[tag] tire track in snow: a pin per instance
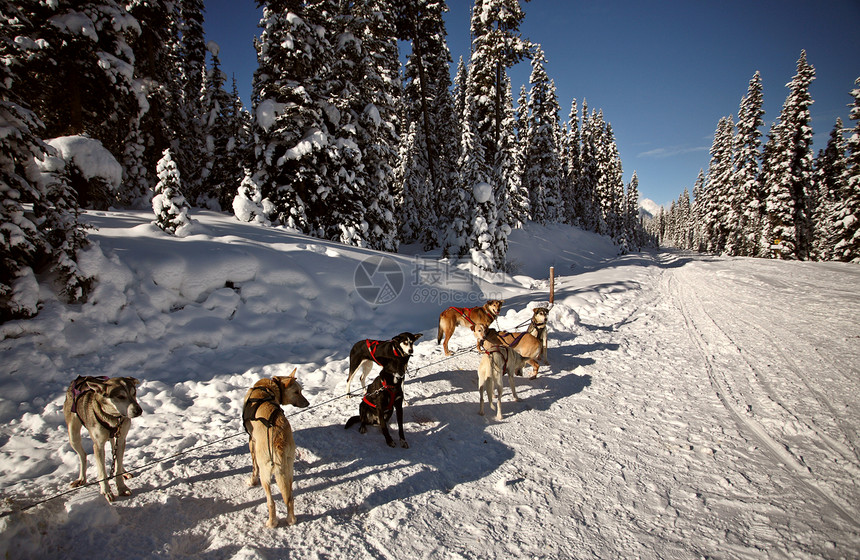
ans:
(704, 332)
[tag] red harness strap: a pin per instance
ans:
(371, 347)
(466, 312)
(391, 393)
(497, 350)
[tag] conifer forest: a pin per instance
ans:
(109, 104)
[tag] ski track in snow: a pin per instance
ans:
(695, 407)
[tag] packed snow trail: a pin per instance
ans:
(695, 407)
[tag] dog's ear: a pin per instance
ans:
(98, 388)
(416, 336)
(293, 375)
(134, 382)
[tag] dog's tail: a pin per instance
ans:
(439, 332)
(351, 421)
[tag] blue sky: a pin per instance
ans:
(663, 72)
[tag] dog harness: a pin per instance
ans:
(465, 312)
(497, 350)
(516, 340)
(373, 344)
(385, 387)
(249, 413)
(80, 387)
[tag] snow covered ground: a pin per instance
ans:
(696, 407)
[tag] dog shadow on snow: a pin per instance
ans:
(348, 472)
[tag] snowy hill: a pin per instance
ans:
(679, 418)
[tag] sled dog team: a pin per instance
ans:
(105, 406)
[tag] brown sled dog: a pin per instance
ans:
(273, 450)
(453, 317)
(524, 344)
(537, 328)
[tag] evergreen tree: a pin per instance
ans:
(788, 177)
(474, 172)
(189, 145)
(542, 175)
(685, 221)
(509, 169)
(222, 170)
(417, 224)
(49, 234)
(429, 107)
(609, 185)
(291, 112)
(587, 206)
(518, 197)
(697, 214)
(77, 72)
(497, 46)
(248, 204)
(572, 168)
(847, 226)
(744, 221)
(719, 187)
(459, 91)
(829, 187)
(630, 238)
(152, 76)
(168, 204)
(376, 108)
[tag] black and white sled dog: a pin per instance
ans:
(395, 352)
(105, 407)
(383, 397)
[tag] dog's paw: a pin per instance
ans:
(123, 490)
(78, 483)
(108, 495)
(291, 520)
(127, 475)
(254, 481)
(390, 442)
(403, 444)
(272, 523)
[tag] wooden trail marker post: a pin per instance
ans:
(551, 285)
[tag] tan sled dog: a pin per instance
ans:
(496, 361)
(453, 317)
(537, 328)
(525, 344)
(273, 450)
(105, 407)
